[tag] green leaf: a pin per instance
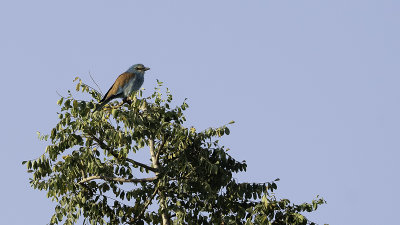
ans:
(67, 103)
(75, 104)
(60, 101)
(78, 86)
(59, 216)
(227, 131)
(114, 113)
(90, 105)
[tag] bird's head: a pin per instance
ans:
(137, 68)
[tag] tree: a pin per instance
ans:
(90, 168)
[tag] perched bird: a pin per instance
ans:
(125, 84)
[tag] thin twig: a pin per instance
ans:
(60, 94)
(95, 83)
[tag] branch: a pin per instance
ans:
(163, 204)
(117, 179)
(153, 154)
(146, 204)
(125, 100)
(95, 83)
(141, 164)
(115, 106)
(103, 145)
(160, 148)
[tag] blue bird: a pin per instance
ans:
(125, 84)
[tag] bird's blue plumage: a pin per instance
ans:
(133, 84)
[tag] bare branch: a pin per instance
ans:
(95, 83)
(153, 154)
(118, 179)
(163, 204)
(104, 146)
(60, 94)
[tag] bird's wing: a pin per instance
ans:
(118, 85)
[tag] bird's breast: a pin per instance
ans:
(134, 84)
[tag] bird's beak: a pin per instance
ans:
(146, 68)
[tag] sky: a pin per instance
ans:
(312, 85)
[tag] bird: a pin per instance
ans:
(126, 83)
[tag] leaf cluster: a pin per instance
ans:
(90, 168)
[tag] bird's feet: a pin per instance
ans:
(127, 100)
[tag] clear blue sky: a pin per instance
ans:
(312, 85)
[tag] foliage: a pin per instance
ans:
(89, 168)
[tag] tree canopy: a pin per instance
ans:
(90, 168)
